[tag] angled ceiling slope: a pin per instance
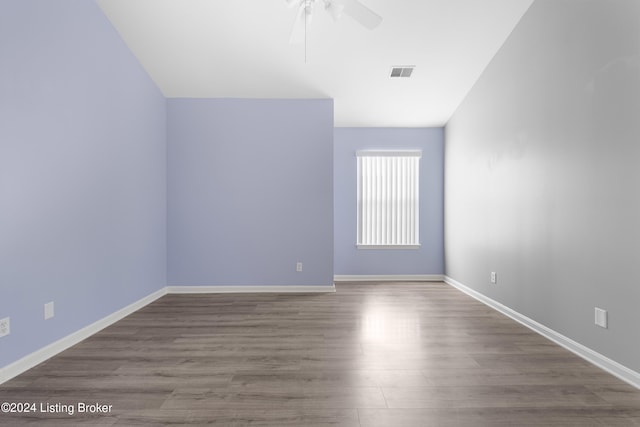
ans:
(241, 49)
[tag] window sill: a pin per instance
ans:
(388, 246)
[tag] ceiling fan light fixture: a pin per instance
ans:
(335, 8)
(308, 8)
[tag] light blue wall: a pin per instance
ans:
(250, 192)
(542, 176)
(82, 172)
(429, 259)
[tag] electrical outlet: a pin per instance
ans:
(601, 318)
(494, 277)
(299, 266)
(48, 310)
(4, 327)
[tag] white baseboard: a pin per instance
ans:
(625, 374)
(39, 356)
(388, 278)
(248, 289)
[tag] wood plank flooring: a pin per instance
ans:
(372, 354)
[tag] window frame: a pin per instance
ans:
(392, 201)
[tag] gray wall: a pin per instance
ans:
(542, 174)
(348, 259)
(82, 172)
(250, 191)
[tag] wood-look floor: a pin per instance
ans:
(394, 354)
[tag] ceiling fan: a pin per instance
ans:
(356, 10)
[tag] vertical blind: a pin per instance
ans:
(388, 199)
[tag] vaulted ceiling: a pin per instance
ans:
(241, 49)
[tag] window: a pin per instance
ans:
(388, 199)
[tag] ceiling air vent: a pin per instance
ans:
(401, 71)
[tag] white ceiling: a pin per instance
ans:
(240, 49)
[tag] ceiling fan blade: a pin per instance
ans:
(298, 30)
(361, 13)
(334, 9)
